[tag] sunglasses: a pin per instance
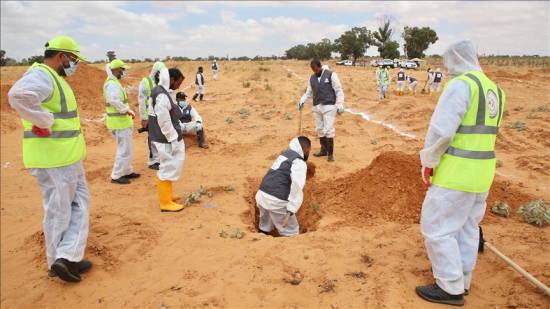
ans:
(72, 58)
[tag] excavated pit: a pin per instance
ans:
(390, 188)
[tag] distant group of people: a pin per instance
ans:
(458, 159)
(404, 81)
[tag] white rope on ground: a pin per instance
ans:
(392, 127)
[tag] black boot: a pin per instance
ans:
(323, 151)
(200, 139)
(82, 267)
(195, 97)
(433, 293)
(200, 97)
(330, 148)
(66, 270)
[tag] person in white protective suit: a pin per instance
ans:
(166, 134)
(458, 166)
(281, 191)
(53, 150)
(400, 81)
(412, 84)
(429, 80)
(328, 99)
(144, 99)
(436, 81)
(215, 69)
(199, 82)
(119, 121)
(191, 120)
(382, 81)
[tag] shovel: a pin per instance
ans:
(485, 244)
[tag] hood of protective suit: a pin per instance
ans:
(295, 145)
(155, 69)
(109, 72)
(461, 57)
(164, 79)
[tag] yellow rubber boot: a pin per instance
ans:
(164, 188)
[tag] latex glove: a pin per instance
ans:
(301, 105)
(40, 132)
(144, 123)
(340, 109)
(131, 114)
(174, 145)
(286, 218)
(198, 126)
(426, 172)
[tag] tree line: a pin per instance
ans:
(353, 43)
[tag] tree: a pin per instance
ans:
(354, 43)
(417, 40)
(383, 39)
(2, 57)
(34, 59)
(321, 50)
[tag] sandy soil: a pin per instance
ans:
(362, 246)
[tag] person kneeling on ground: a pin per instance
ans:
(191, 121)
(281, 191)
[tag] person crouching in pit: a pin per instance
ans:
(191, 121)
(281, 191)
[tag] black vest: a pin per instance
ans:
(401, 76)
(155, 134)
(214, 66)
(197, 81)
(322, 90)
(437, 78)
(186, 114)
(412, 79)
(277, 182)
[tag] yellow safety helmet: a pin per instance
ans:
(117, 63)
(66, 44)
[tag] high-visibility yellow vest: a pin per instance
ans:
(383, 75)
(469, 163)
(149, 85)
(116, 120)
(65, 145)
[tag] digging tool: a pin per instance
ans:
(300, 124)
(485, 244)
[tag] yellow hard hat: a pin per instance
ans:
(66, 44)
(117, 63)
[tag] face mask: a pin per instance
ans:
(124, 74)
(71, 69)
(183, 104)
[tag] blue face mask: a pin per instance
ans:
(183, 104)
(71, 69)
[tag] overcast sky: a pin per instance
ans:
(193, 29)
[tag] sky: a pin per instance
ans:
(140, 29)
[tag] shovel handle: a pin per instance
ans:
(300, 124)
(518, 268)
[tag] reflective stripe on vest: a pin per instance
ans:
(65, 145)
(469, 162)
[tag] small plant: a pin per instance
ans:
(327, 286)
(289, 75)
(244, 113)
(374, 141)
(535, 212)
(315, 206)
(236, 233)
(542, 109)
(357, 274)
(518, 125)
(288, 116)
(192, 198)
(229, 120)
(267, 115)
(367, 259)
(264, 69)
(502, 209)
(518, 108)
(246, 84)
(228, 188)
(268, 87)
(295, 278)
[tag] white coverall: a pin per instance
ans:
(123, 137)
(171, 156)
(325, 114)
(194, 125)
(145, 102)
(200, 86)
(273, 210)
(64, 189)
(412, 84)
(449, 219)
(215, 71)
(381, 83)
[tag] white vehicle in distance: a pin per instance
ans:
(387, 63)
(374, 63)
(345, 62)
(409, 64)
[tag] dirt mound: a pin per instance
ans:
(390, 188)
(87, 85)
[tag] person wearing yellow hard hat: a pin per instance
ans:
(119, 121)
(53, 150)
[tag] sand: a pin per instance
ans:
(361, 245)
